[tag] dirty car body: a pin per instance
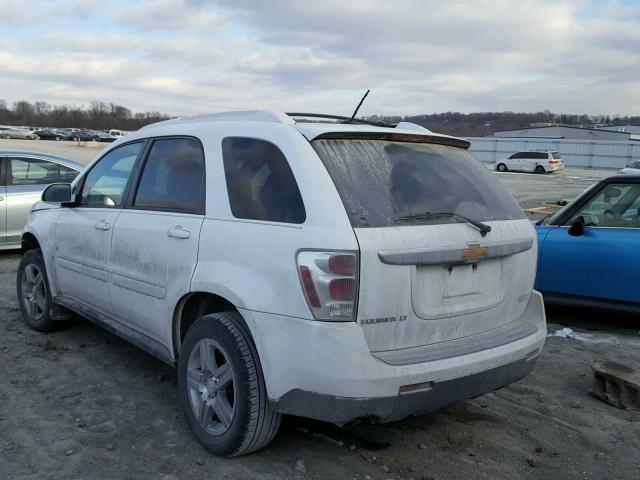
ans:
(350, 256)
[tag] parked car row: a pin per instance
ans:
(72, 134)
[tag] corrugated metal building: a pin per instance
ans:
(575, 133)
(576, 153)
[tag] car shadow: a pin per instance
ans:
(590, 319)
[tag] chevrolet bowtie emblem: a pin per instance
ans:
(473, 252)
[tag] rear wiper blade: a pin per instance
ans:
(483, 227)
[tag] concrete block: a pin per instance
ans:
(616, 384)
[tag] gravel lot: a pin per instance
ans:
(81, 403)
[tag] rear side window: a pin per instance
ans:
(173, 177)
(31, 171)
(380, 181)
(260, 183)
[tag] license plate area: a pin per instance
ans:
(439, 291)
(460, 280)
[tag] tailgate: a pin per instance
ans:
(426, 284)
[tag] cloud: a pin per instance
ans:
(417, 56)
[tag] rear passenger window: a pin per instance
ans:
(173, 177)
(31, 171)
(260, 183)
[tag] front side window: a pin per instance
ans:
(173, 177)
(260, 183)
(31, 171)
(616, 205)
(106, 182)
(382, 181)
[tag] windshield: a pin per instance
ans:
(380, 181)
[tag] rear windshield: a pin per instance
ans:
(380, 181)
(556, 155)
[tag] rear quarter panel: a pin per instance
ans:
(253, 263)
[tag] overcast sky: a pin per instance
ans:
(417, 56)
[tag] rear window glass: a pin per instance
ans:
(260, 183)
(380, 181)
(556, 155)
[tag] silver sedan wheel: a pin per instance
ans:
(212, 387)
(34, 291)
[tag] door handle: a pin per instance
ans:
(178, 232)
(102, 225)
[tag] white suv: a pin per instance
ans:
(536, 161)
(328, 270)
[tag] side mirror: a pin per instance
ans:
(57, 193)
(577, 226)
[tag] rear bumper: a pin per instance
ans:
(325, 370)
(387, 409)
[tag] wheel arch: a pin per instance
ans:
(192, 306)
(28, 242)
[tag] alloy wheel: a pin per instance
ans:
(211, 386)
(34, 291)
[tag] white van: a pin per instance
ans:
(327, 270)
(532, 161)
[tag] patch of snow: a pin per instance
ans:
(569, 334)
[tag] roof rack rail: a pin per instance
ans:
(274, 116)
(340, 117)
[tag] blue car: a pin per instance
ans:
(589, 251)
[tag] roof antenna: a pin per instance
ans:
(358, 108)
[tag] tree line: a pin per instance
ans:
(95, 116)
(104, 116)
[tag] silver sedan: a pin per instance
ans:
(21, 133)
(23, 177)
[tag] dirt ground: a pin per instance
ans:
(81, 403)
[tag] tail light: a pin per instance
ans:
(553, 162)
(330, 283)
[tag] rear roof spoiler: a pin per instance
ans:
(396, 137)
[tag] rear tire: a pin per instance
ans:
(540, 170)
(502, 167)
(221, 388)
